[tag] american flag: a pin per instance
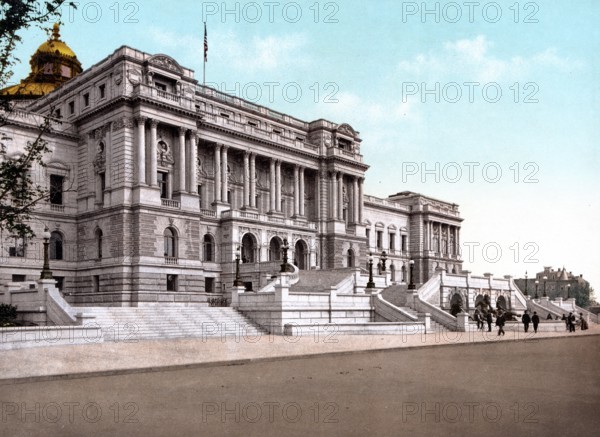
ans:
(205, 44)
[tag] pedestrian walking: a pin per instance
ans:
(535, 319)
(488, 319)
(500, 323)
(571, 319)
(583, 322)
(526, 319)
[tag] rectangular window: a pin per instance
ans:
(86, 99)
(160, 86)
(171, 282)
(71, 108)
(229, 196)
(392, 241)
(209, 285)
(18, 278)
(96, 283)
(404, 243)
(102, 91)
(57, 113)
(163, 184)
(379, 239)
(200, 196)
(18, 248)
(102, 181)
(56, 189)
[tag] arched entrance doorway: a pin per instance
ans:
(350, 258)
(501, 303)
(301, 255)
(456, 304)
(249, 248)
(275, 249)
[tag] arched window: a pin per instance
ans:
(170, 243)
(275, 249)
(209, 248)
(56, 245)
(99, 236)
(249, 248)
(350, 258)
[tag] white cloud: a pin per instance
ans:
(473, 59)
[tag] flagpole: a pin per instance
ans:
(205, 53)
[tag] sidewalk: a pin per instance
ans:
(104, 359)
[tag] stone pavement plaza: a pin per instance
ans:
(541, 387)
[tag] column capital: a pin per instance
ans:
(140, 119)
(192, 133)
(153, 122)
(182, 130)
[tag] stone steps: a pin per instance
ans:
(131, 324)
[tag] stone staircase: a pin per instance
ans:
(319, 281)
(400, 296)
(120, 324)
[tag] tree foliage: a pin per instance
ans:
(19, 192)
(582, 294)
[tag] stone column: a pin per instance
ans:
(272, 189)
(141, 150)
(340, 185)
(333, 196)
(296, 191)
(278, 186)
(193, 163)
(252, 180)
(355, 201)
(245, 201)
(181, 160)
(302, 212)
(224, 179)
(361, 202)
(217, 170)
(152, 169)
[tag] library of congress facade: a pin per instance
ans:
(157, 184)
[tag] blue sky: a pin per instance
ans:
(372, 63)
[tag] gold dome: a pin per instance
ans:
(55, 45)
(52, 64)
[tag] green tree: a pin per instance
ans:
(19, 193)
(582, 294)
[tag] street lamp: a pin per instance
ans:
(411, 285)
(383, 260)
(46, 272)
(568, 291)
(525, 282)
(285, 249)
(238, 282)
(536, 289)
(544, 278)
(370, 284)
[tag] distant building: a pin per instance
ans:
(557, 282)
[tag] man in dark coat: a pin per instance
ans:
(500, 323)
(488, 319)
(535, 319)
(526, 320)
(549, 317)
(571, 319)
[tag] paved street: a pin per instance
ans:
(544, 387)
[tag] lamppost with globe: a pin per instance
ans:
(285, 249)
(370, 284)
(545, 278)
(536, 289)
(383, 260)
(568, 291)
(525, 282)
(46, 272)
(238, 282)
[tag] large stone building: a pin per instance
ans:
(156, 181)
(555, 283)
